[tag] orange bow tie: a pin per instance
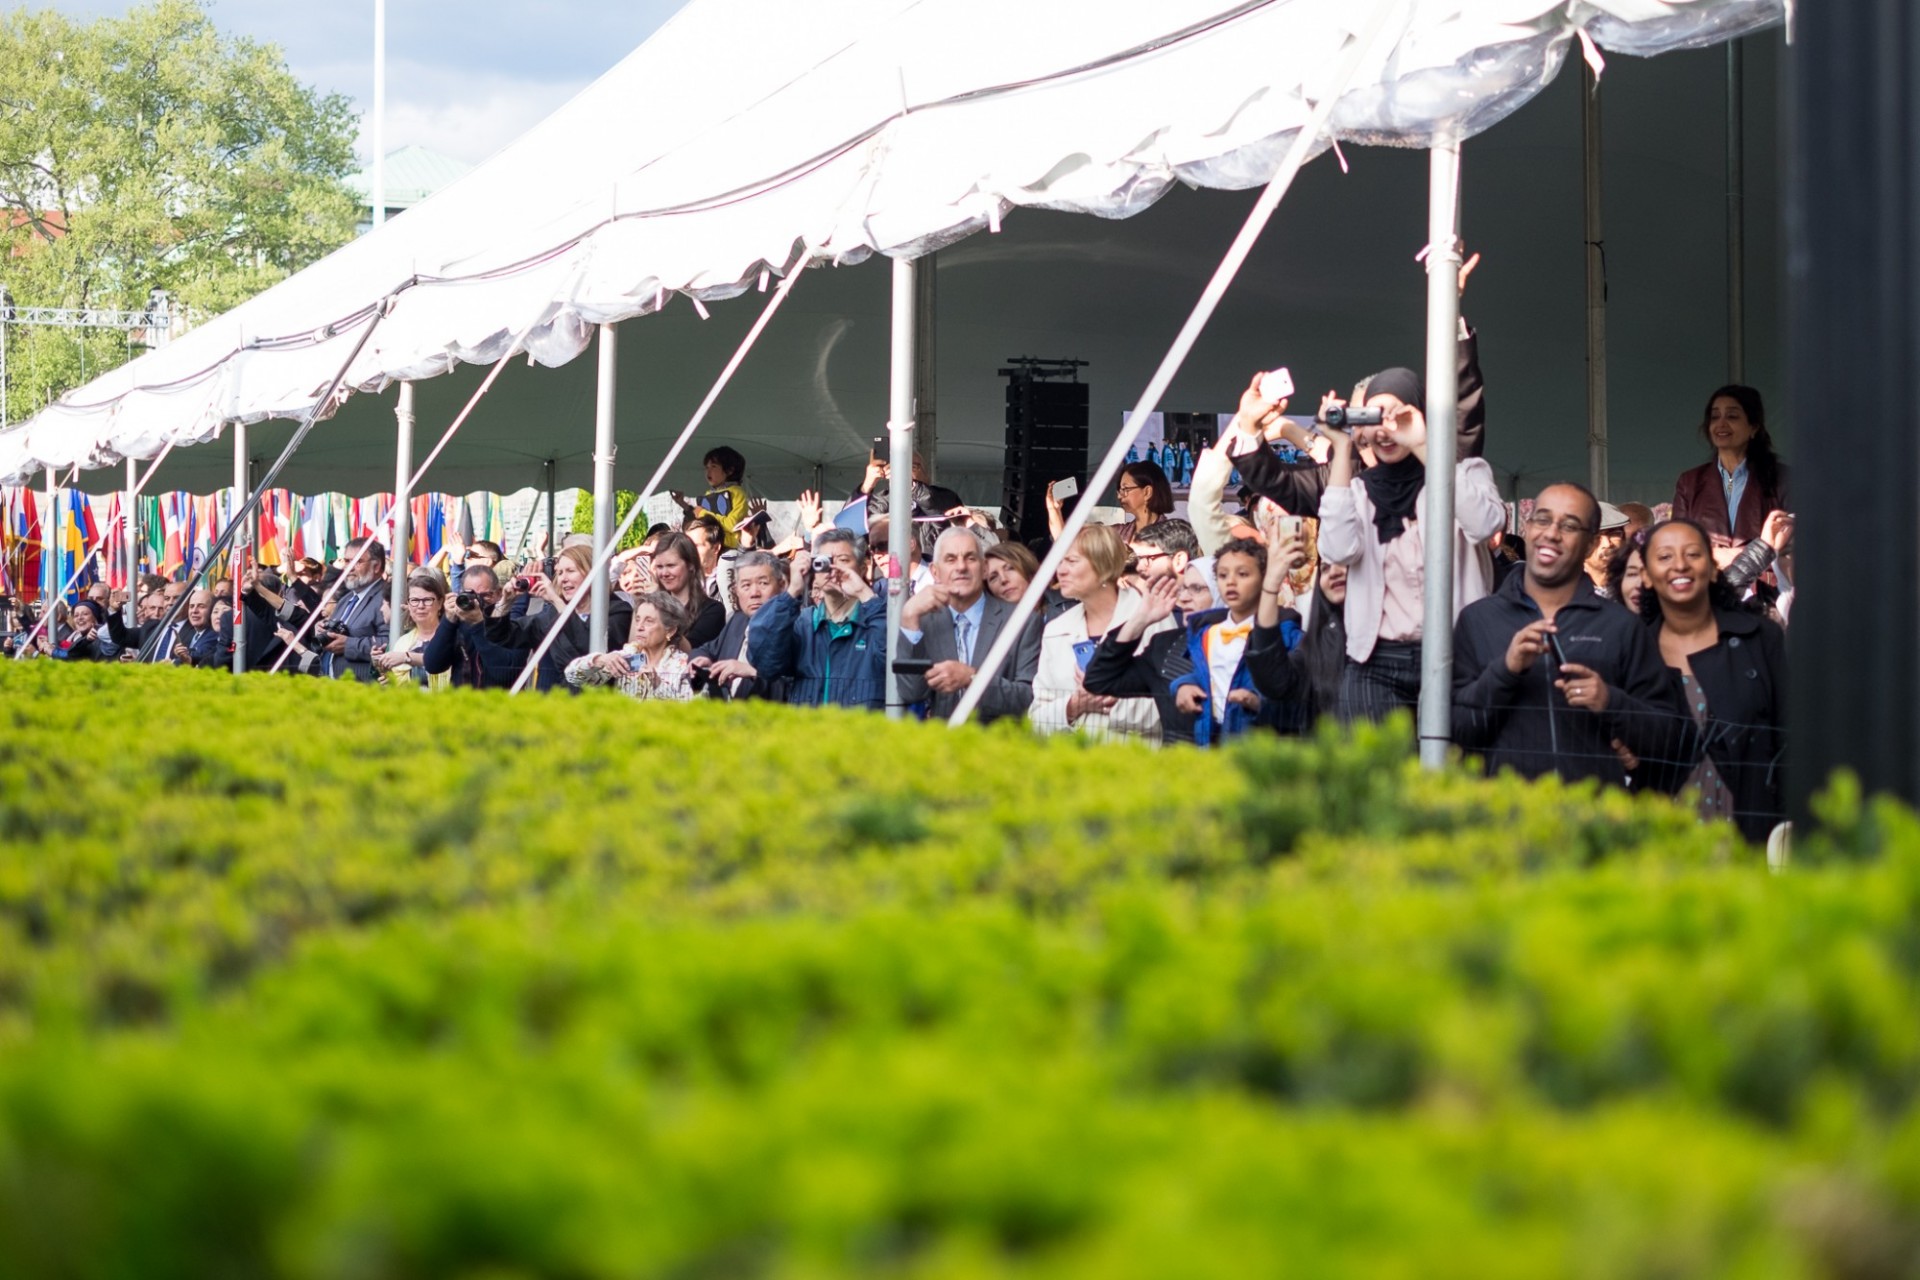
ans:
(1229, 634)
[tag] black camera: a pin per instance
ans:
(523, 584)
(698, 679)
(466, 600)
(1340, 417)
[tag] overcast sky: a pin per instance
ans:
(462, 78)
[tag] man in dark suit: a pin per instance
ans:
(757, 578)
(954, 622)
(358, 623)
(197, 644)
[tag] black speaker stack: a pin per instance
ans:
(1046, 438)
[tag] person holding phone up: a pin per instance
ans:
(1550, 677)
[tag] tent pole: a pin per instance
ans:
(1372, 35)
(401, 542)
(1596, 285)
(130, 521)
(379, 192)
(1443, 390)
(900, 531)
(52, 538)
(1736, 213)
(603, 450)
(553, 534)
(241, 543)
(926, 379)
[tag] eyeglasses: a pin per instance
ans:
(420, 602)
(1543, 521)
(1141, 557)
(1131, 488)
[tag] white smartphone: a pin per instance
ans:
(1064, 489)
(1276, 386)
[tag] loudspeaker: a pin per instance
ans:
(1046, 439)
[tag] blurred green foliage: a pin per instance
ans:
(300, 980)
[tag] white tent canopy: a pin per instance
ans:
(749, 135)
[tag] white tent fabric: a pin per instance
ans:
(751, 135)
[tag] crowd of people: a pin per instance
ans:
(1643, 648)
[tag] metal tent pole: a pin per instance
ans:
(603, 451)
(553, 527)
(131, 523)
(237, 562)
(926, 374)
(1736, 213)
(1596, 285)
(900, 469)
(1443, 319)
(379, 192)
(51, 539)
(402, 540)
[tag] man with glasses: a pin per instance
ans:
(461, 644)
(1549, 677)
(1164, 549)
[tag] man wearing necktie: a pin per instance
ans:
(953, 622)
(359, 613)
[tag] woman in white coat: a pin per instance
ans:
(1371, 522)
(1090, 576)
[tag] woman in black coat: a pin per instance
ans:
(1731, 665)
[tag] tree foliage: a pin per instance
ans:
(150, 152)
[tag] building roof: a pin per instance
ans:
(413, 174)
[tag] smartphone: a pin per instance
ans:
(912, 666)
(1559, 654)
(1276, 386)
(1295, 526)
(1083, 653)
(1067, 488)
(880, 450)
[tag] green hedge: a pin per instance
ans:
(300, 980)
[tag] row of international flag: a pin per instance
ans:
(177, 531)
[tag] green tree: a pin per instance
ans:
(149, 152)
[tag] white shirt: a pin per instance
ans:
(1223, 659)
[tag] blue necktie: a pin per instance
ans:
(963, 637)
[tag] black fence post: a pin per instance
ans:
(1853, 244)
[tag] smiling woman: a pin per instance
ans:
(1731, 495)
(1731, 665)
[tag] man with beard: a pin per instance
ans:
(359, 621)
(1548, 677)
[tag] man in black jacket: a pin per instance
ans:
(1548, 677)
(462, 646)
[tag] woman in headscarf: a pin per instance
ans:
(1371, 522)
